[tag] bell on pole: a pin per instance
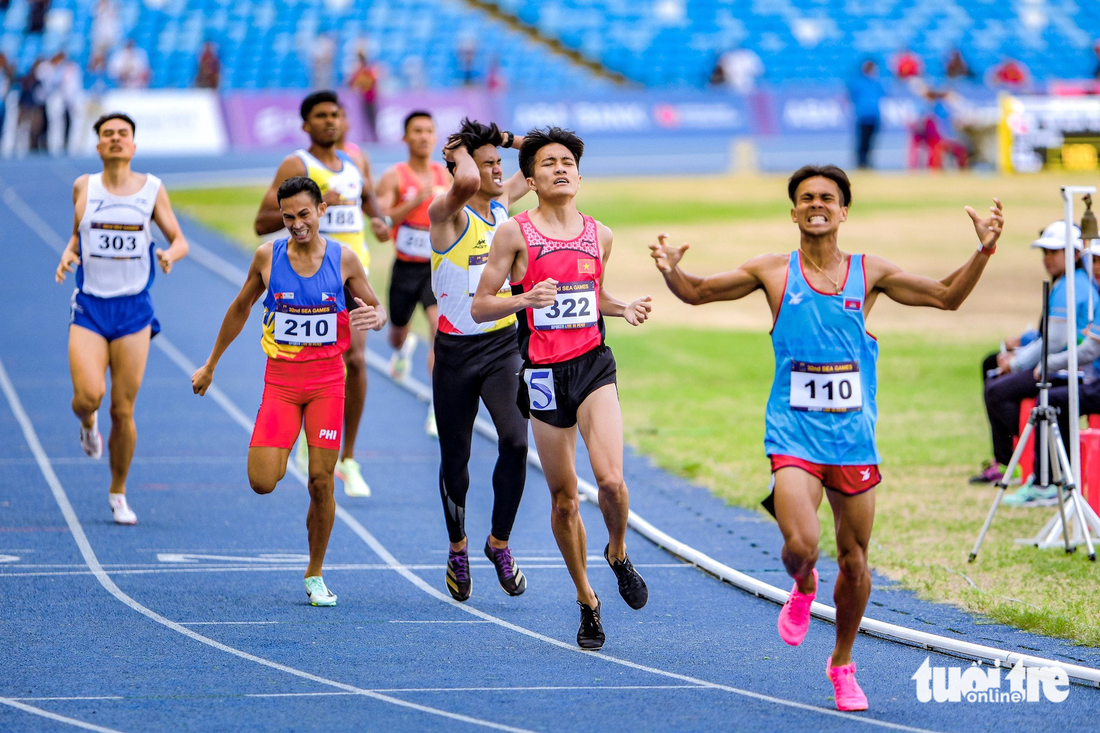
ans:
(1088, 221)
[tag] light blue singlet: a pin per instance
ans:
(822, 404)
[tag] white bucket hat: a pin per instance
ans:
(1054, 237)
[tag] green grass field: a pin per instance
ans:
(694, 382)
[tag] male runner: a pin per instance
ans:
(820, 419)
(556, 258)
(405, 191)
(112, 319)
(306, 329)
(475, 359)
(348, 193)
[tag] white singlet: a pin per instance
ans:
(116, 240)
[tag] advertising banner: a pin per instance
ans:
(169, 121)
(626, 113)
(1039, 132)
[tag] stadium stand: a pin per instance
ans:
(663, 43)
(265, 43)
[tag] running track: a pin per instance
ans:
(197, 619)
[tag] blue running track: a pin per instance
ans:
(197, 618)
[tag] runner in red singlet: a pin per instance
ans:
(556, 258)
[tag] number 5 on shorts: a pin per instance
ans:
(540, 389)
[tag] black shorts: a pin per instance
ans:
(410, 283)
(553, 393)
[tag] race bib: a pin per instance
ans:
(342, 219)
(414, 242)
(313, 325)
(476, 267)
(118, 241)
(540, 388)
(826, 387)
(574, 307)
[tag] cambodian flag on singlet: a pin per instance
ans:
(573, 325)
(305, 318)
(822, 404)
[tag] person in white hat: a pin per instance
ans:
(1008, 374)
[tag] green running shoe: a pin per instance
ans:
(1030, 495)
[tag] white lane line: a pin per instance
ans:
(77, 531)
(85, 697)
(224, 623)
(12, 702)
(541, 688)
(460, 621)
(379, 549)
(31, 218)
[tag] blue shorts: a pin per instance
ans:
(113, 318)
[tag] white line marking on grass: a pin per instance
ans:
(379, 549)
(77, 531)
(52, 716)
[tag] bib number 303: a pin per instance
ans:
(826, 387)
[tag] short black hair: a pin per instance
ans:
(832, 172)
(300, 184)
(114, 116)
(325, 95)
(473, 135)
(537, 139)
(414, 114)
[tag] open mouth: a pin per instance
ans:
(497, 180)
(817, 219)
(561, 181)
(299, 233)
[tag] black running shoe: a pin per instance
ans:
(510, 576)
(631, 586)
(590, 634)
(458, 575)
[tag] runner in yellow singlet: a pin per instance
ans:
(349, 194)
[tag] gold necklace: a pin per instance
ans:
(835, 281)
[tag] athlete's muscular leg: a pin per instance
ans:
(89, 356)
(322, 505)
(355, 390)
(432, 314)
(854, 517)
(266, 467)
(797, 497)
(558, 450)
(128, 356)
(601, 424)
(397, 335)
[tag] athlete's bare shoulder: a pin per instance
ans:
(876, 268)
(767, 264)
(291, 166)
(80, 185)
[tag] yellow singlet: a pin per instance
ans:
(343, 221)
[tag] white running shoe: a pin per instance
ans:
(90, 440)
(401, 361)
(429, 425)
(301, 454)
(349, 472)
(122, 511)
(318, 592)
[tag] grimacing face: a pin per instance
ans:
(819, 208)
(555, 173)
(301, 216)
(116, 140)
(489, 165)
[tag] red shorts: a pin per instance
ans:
(850, 480)
(291, 388)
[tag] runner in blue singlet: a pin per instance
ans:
(820, 419)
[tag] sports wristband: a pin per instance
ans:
(507, 142)
(389, 221)
(987, 250)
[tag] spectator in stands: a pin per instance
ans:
(866, 92)
(741, 67)
(1010, 74)
(36, 15)
(7, 78)
(494, 77)
(466, 51)
(364, 81)
(935, 130)
(68, 87)
(106, 30)
(323, 57)
(717, 74)
(209, 75)
(908, 65)
(956, 66)
(32, 108)
(129, 66)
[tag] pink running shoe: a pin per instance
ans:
(848, 694)
(794, 618)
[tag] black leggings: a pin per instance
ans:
(467, 368)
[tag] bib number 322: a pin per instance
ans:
(826, 387)
(574, 307)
